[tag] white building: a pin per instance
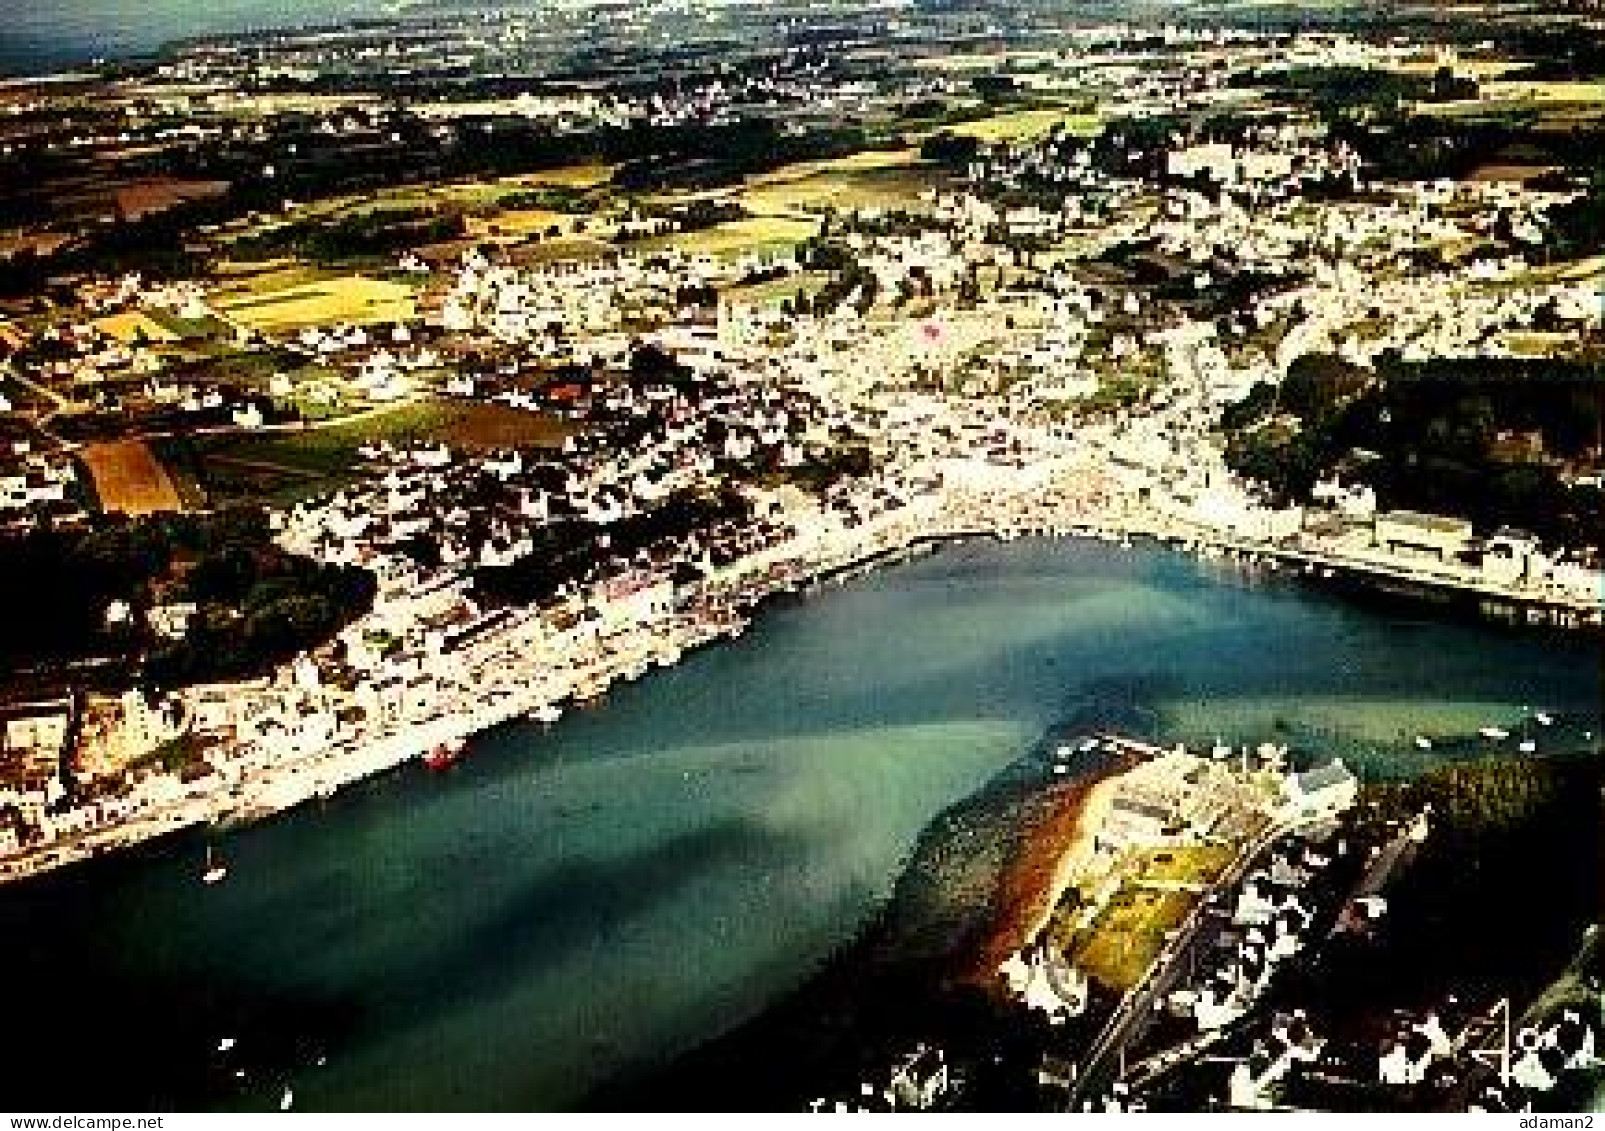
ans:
(1320, 793)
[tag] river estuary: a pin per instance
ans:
(576, 902)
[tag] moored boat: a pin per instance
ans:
(443, 755)
(215, 871)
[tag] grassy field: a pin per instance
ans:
(582, 248)
(873, 179)
(758, 233)
(518, 224)
(573, 176)
(1480, 69)
(350, 298)
(331, 451)
(1185, 864)
(779, 290)
(1129, 934)
(1545, 93)
(1558, 105)
(133, 326)
(129, 479)
(1024, 125)
(888, 190)
(245, 280)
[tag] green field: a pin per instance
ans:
(289, 465)
(739, 237)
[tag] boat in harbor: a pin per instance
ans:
(215, 871)
(546, 713)
(444, 755)
(1423, 742)
(1495, 734)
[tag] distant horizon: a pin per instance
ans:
(54, 36)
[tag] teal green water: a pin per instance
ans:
(573, 902)
(39, 35)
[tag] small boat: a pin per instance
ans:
(547, 713)
(1527, 746)
(287, 1101)
(225, 1044)
(214, 871)
(445, 754)
(1544, 719)
(1495, 733)
(1423, 742)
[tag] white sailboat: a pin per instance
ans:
(214, 871)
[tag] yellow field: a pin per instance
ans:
(1129, 935)
(246, 280)
(740, 236)
(1480, 69)
(1559, 104)
(130, 479)
(1187, 864)
(135, 326)
(1545, 92)
(1023, 125)
(1578, 270)
(1532, 343)
(841, 192)
(573, 176)
(806, 181)
(891, 178)
(517, 225)
(982, 60)
(777, 291)
(351, 299)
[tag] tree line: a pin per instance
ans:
(255, 605)
(1486, 439)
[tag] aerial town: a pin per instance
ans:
(362, 398)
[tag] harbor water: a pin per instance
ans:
(576, 903)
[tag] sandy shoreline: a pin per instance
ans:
(1057, 836)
